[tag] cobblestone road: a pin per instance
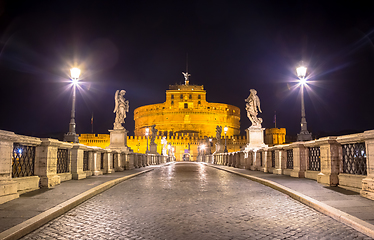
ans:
(193, 201)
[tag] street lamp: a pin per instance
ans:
(71, 136)
(304, 135)
(225, 129)
(146, 134)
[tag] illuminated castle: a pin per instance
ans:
(186, 120)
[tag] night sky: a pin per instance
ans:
(141, 46)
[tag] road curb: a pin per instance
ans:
(347, 219)
(39, 220)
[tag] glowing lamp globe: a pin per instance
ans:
(74, 73)
(301, 72)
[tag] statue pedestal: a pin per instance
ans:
(219, 148)
(118, 140)
(255, 138)
(153, 148)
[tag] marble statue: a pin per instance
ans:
(218, 133)
(253, 103)
(120, 108)
(154, 133)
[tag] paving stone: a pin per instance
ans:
(193, 201)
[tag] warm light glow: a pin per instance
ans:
(74, 73)
(202, 147)
(146, 131)
(225, 129)
(301, 72)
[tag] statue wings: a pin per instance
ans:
(258, 103)
(116, 101)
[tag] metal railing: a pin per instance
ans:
(290, 159)
(62, 161)
(354, 159)
(23, 160)
(314, 159)
(85, 161)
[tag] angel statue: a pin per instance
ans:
(253, 102)
(154, 133)
(120, 108)
(186, 77)
(218, 133)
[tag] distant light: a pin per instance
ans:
(146, 131)
(210, 139)
(20, 150)
(225, 129)
(301, 72)
(74, 73)
(202, 147)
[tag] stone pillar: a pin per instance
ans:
(329, 149)
(8, 187)
(267, 160)
(133, 156)
(96, 163)
(77, 162)
(255, 161)
(241, 160)
(118, 162)
(300, 159)
(280, 161)
(368, 182)
(46, 162)
(129, 158)
(108, 158)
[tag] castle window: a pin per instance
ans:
(186, 105)
(172, 102)
(181, 96)
(198, 102)
(198, 96)
(190, 96)
(172, 96)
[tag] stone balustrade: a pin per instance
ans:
(29, 163)
(346, 161)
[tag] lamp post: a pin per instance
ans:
(225, 129)
(71, 136)
(304, 135)
(146, 134)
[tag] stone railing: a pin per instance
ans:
(28, 163)
(345, 161)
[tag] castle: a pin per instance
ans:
(186, 121)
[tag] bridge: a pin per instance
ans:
(315, 189)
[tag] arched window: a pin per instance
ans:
(186, 105)
(181, 96)
(172, 96)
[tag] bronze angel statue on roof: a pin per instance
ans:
(120, 108)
